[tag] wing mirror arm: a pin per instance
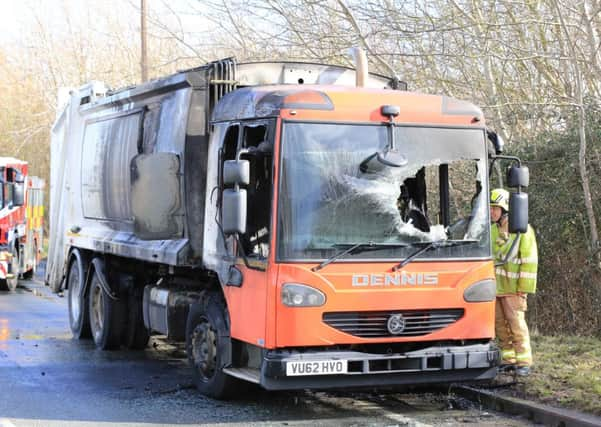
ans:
(390, 157)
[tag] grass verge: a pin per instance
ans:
(566, 373)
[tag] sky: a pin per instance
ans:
(18, 17)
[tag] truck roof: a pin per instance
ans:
(226, 75)
(343, 103)
(293, 90)
(10, 161)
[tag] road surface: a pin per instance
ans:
(49, 379)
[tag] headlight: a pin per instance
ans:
(297, 295)
(485, 290)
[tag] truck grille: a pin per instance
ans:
(373, 324)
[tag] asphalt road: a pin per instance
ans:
(48, 379)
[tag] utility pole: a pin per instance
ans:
(143, 56)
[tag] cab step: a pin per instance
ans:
(246, 374)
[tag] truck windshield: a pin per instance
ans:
(326, 203)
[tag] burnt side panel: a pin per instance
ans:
(196, 155)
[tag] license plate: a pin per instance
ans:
(319, 367)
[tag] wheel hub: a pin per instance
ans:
(97, 312)
(204, 349)
(74, 294)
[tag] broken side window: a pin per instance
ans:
(259, 153)
(229, 148)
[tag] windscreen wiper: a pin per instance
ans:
(356, 248)
(431, 245)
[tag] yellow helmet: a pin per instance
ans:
(500, 197)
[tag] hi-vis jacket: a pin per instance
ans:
(519, 273)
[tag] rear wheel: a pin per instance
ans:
(207, 344)
(107, 316)
(79, 319)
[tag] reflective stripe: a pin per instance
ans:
(508, 354)
(531, 260)
(509, 274)
(524, 356)
(512, 275)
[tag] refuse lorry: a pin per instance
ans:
(21, 222)
(296, 225)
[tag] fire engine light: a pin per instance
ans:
(298, 295)
(482, 291)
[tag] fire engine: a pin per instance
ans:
(296, 225)
(21, 222)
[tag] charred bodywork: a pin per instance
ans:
(129, 168)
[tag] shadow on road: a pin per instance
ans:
(49, 378)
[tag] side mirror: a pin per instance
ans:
(19, 194)
(518, 212)
(233, 211)
(390, 110)
(496, 140)
(518, 176)
(9, 191)
(18, 177)
(236, 172)
(389, 157)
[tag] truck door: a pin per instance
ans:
(247, 302)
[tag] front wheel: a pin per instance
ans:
(207, 344)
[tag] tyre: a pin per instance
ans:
(207, 344)
(136, 335)
(107, 316)
(14, 282)
(29, 274)
(79, 319)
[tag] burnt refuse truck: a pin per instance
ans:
(296, 225)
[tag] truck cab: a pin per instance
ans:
(345, 265)
(21, 222)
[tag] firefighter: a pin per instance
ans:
(516, 278)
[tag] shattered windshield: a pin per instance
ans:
(326, 202)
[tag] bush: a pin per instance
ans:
(569, 281)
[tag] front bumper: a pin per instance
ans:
(430, 365)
